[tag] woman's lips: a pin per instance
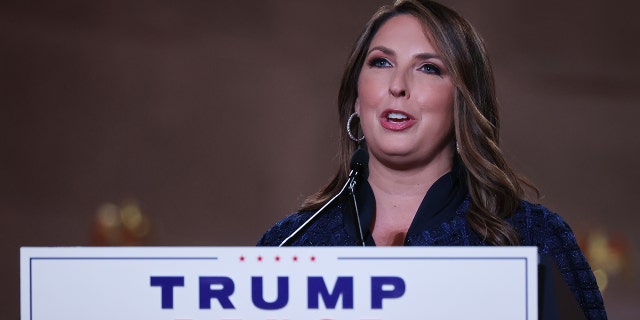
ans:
(396, 120)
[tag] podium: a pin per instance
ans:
(225, 283)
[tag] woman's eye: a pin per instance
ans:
(430, 68)
(379, 63)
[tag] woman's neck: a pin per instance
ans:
(398, 195)
(406, 182)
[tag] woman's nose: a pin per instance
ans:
(399, 85)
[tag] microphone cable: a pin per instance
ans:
(359, 160)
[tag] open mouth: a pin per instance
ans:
(395, 120)
(396, 117)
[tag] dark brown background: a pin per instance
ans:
(218, 117)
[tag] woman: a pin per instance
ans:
(420, 85)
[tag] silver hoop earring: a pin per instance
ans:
(351, 136)
(457, 147)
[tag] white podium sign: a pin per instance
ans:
(295, 283)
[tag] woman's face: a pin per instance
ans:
(405, 97)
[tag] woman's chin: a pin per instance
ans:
(397, 158)
(408, 158)
(394, 152)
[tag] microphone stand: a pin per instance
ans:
(354, 205)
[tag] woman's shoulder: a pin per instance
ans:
(547, 230)
(328, 229)
(542, 227)
(283, 228)
(536, 222)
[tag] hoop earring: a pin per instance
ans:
(457, 147)
(351, 136)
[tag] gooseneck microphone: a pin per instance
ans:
(359, 161)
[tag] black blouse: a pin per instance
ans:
(438, 205)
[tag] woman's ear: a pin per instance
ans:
(356, 106)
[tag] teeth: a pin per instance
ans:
(396, 116)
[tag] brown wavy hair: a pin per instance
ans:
(495, 189)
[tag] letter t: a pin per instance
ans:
(167, 284)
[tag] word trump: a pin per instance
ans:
(222, 288)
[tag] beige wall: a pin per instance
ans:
(218, 117)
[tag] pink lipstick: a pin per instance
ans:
(396, 120)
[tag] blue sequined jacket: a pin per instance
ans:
(536, 225)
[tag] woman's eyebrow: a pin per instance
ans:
(428, 55)
(384, 50)
(425, 55)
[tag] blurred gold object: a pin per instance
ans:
(608, 255)
(602, 279)
(120, 225)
